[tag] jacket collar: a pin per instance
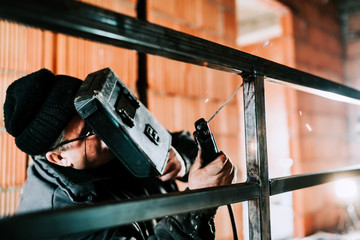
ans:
(78, 184)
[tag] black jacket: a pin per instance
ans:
(49, 186)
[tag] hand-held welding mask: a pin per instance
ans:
(126, 126)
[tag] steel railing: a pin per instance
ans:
(89, 22)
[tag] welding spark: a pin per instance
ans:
(266, 43)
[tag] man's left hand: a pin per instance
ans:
(175, 166)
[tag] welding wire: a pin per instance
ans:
(225, 102)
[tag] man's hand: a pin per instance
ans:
(219, 172)
(175, 166)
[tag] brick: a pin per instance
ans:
(212, 36)
(295, 6)
(321, 16)
(311, 206)
(353, 48)
(17, 54)
(232, 146)
(175, 24)
(127, 7)
(167, 7)
(331, 25)
(317, 37)
(353, 22)
(167, 75)
(190, 29)
(352, 69)
(332, 74)
(333, 67)
(334, 45)
(157, 106)
(230, 4)
(287, 24)
(9, 199)
(300, 28)
(323, 125)
(192, 112)
(34, 47)
(274, 49)
(222, 220)
(316, 104)
(305, 55)
(220, 84)
(324, 40)
(155, 78)
(210, 15)
(187, 10)
(12, 162)
(329, 75)
(311, 12)
(322, 153)
(195, 81)
(5, 80)
(230, 24)
(78, 58)
(48, 50)
(174, 73)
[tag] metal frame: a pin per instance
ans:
(256, 161)
(89, 22)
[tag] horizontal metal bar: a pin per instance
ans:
(286, 184)
(63, 222)
(82, 20)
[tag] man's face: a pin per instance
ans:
(74, 155)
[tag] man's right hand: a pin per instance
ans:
(221, 171)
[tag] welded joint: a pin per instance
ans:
(249, 76)
(253, 179)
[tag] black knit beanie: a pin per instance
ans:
(38, 107)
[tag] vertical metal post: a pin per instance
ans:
(256, 155)
(142, 81)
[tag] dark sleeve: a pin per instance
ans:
(196, 225)
(185, 145)
(120, 233)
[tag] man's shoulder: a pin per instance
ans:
(44, 192)
(37, 193)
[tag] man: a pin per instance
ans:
(72, 166)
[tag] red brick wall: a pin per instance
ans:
(352, 73)
(181, 93)
(312, 42)
(318, 50)
(178, 93)
(24, 50)
(280, 103)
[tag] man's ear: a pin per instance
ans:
(56, 158)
